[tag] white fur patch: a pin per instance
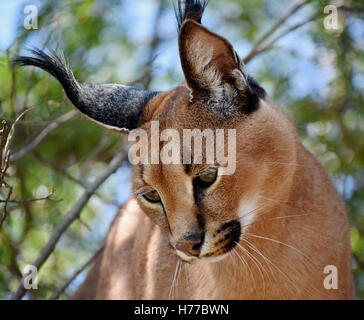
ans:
(247, 212)
(123, 130)
(185, 257)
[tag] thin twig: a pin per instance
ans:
(270, 44)
(44, 133)
(4, 184)
(71, 216)
(273, 29)
(2, 145)
(355, 9)
(12, 134)
(5, 160)
(72, 178)
(56, 294)
(47, 197)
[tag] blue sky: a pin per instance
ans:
(139, 16)
(9, 13)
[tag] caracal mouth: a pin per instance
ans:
(193, 260)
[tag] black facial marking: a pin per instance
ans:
(232, 231)
(256, 88)
(229, 246)
(187, 167)
(199, 188)
(253, 93)
(141, 170)
(165, 214)
(228, 240)
(229, 225)
(141, 173)
(194, 237)
(201, 222)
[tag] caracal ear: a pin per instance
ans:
(208, 60)
(112, 106)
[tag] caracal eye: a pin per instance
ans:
(152, 196)
(208, 175)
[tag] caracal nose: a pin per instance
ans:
(191, 244)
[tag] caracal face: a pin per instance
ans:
(250, 178)
(202, 208)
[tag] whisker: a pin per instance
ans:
(178, 278)
(326, 236)
(258, 268)
(260, 264)
(275, 218)
(235, 266)
(291, 216)
(264, 213)
(268, 260)
(233, 263)
(293, 285)
(290, 164)
(246, 266)
(174, 279)
(289, 203)
(286, 203)
(250, 212)
(254, 248)
(282, 243)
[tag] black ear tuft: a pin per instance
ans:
(189, 9)
(113, 106)
(54, 63)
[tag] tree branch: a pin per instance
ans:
(71, 216)
(270, 44)
(5, 159)
(355, 9)
(47, 197)
(47, 130)
(64, 172)
(273, 29)
(56, 294)
(10, 191)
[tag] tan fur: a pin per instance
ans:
(288, 180)
(279, 190)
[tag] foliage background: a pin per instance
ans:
(316, 75)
